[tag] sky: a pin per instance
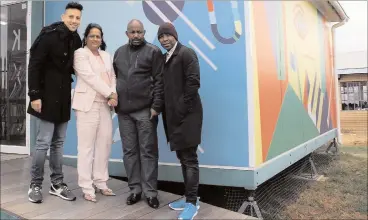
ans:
(353, 35)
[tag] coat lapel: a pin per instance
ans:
(95, 63)
(176, 52)
(91, 57)
(107, 62)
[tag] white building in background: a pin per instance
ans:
(352, 70)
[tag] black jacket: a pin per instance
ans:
(138, 78)
(183, 113)
(50, 72)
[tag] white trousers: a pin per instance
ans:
(94, 130)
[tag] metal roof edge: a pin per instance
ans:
(348, 71)
(330, 9)
(339, 10)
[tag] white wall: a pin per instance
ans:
(351, 59)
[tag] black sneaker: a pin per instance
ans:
(62, 191)
(35, 194)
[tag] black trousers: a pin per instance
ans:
(190, 168)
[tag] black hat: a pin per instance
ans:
(167, 28)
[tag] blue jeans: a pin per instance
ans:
(49, 135)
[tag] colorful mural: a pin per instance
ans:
(294, 86)
(219, 41)
(266, 72)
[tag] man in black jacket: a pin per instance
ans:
(183, 113)
(49, 80)
(138, 68)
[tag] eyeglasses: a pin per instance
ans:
(92, 36)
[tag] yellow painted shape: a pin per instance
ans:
(257, 112)
(306, 51)
(238, 27)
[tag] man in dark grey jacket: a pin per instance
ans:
(138, 67)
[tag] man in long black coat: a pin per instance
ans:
(183, 113)
(49, 80)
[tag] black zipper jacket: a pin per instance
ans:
(139, 82)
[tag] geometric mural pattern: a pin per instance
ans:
(296, 88)
(213, 29)
(292, 89)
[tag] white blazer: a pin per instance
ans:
(89, 82)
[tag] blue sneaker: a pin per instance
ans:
(189, 212)
(180, 204)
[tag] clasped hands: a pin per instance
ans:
(113, 100)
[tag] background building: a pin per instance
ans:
(352, 70)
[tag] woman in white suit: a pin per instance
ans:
(94, 96)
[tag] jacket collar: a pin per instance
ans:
(65, 32)
(91, 53)
(131, 46)
(102, 55)
(176, 51)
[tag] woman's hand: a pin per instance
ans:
(112, 102)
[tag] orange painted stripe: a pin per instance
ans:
(270, 95)
(334, 84)
(210, 5)
(330, 79)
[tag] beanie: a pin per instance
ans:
(167, 28)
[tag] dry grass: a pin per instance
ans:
(343, 195)
(351, 138)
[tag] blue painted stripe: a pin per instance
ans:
(235, 14)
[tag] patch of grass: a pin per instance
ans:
(360, 151)
(342, 196)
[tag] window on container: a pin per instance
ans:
(354, 96)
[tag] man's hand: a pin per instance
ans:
(153, 113)
(112, 102)
(36, 105)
